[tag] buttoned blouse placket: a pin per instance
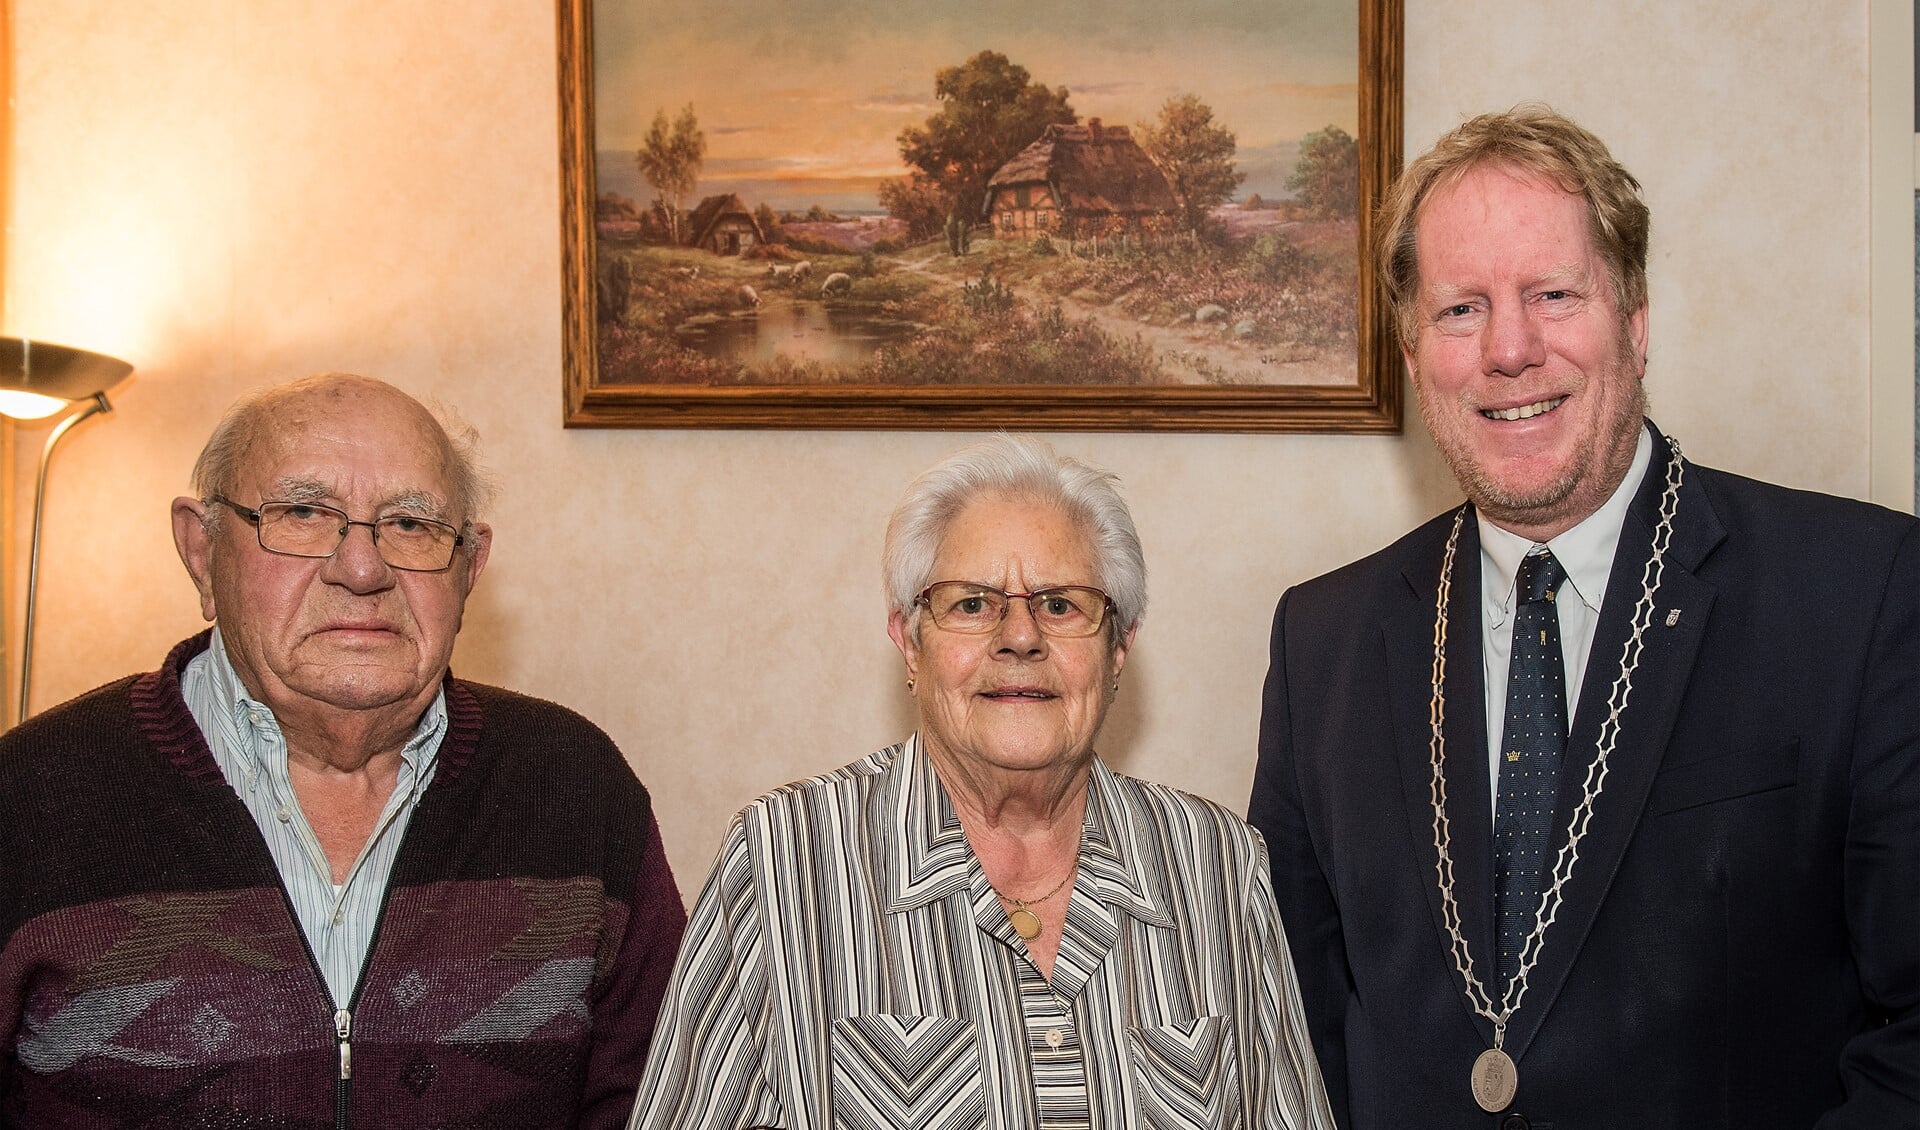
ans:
(1057, 1065)
(1056, 1012)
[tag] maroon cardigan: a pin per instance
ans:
(152, 973)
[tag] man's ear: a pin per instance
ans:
(480, 539)
(195, 546)
(1637, 333)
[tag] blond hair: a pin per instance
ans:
(1530, 138)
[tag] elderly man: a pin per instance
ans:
(1596, 802)
(301, 876)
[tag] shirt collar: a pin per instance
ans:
(929, 858)
(1119, 860)
(255, 718)
(1585, 551)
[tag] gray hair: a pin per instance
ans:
(218, 468)
(1017, 465)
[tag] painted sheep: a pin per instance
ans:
(838, 283)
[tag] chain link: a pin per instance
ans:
(1549, 908)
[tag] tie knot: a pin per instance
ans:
(1540, 577)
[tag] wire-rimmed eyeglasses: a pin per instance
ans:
(1065, 611)
(307, 529)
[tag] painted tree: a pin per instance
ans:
(670, 160)
(1328, 175)
(769, 223)
(917, 202)
(1195, 154)
(990, 109)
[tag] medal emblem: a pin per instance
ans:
(1495, 1079)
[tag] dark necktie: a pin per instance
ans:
(1530, 752)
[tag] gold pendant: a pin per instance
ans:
(1495, 1079)
(1025, 922)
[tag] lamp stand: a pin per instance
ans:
(98, 405)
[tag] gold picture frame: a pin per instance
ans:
(595, 396)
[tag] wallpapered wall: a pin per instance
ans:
(227, 192)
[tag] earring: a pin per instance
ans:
(909, 686)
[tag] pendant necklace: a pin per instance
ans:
(1495, 1079)
(1025, 922)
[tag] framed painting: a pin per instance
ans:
(1143, 216)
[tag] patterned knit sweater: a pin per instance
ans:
(152, 973)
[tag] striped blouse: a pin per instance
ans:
(848, 965)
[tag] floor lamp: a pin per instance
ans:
(38, 379)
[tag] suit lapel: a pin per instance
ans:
(1408, 637)
(1652, 702)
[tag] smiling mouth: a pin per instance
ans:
(1525, 411)
(1027, 694)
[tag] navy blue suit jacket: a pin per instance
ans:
(1739, 944)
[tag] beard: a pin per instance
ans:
(1578, 489)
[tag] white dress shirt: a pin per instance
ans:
(1586, 553)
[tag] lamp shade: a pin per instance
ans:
(38, 378)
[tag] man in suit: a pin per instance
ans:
(1594, 803)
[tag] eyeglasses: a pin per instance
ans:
(1065, 611)
(306, 529)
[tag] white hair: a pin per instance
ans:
(1024, 466)
(251, 416)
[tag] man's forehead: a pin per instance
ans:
(1496, 213)
(1579, 273)
(394, 446)
(324, 488)
(1490, 176)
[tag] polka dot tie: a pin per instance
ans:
(1530, 750)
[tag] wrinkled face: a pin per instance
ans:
(1528, 376)
(346, 632)
(1012, 699)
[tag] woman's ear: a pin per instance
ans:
(901, 633)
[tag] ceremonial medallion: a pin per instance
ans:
(1495, 1079)
(1025, 923)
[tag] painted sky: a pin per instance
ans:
(803, 101)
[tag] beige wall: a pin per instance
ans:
(231, 191)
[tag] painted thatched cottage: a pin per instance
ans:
(1077, 178)
(723, 225)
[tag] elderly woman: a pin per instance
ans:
(985, 925)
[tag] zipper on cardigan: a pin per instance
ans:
(343, 1028)
(342, 1017)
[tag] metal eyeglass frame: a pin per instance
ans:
(1106, 608)
(253, 517)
